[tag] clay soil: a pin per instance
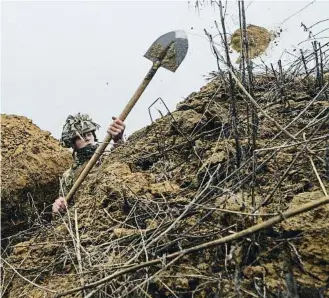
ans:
(31, 163)
(137, 206)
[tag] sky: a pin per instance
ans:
(64, 57)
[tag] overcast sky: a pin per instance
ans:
(60, 58)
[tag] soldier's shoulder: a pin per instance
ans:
(69, 173)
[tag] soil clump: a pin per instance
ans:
(259, 39)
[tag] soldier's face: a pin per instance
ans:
(88, 138)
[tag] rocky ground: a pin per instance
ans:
(179, 183)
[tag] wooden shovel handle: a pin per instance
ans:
(108, 137)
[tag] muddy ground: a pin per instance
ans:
(137, 206)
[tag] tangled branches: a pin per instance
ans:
(186, 207)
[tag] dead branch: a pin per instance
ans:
(249, 231)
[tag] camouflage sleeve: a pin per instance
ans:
(66, 182)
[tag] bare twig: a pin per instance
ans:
(26, 279)
(78, 252)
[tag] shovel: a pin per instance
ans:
(168, 51)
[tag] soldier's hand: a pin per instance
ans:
(116, 129)
(59, 205)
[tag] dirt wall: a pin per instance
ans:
(31, 163)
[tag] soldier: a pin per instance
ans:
(79, 133)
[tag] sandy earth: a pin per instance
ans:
(31, 163)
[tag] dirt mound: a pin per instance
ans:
(176, 184)
(31, 163)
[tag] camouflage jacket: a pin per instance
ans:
(71, 175)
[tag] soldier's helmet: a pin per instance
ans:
(76, 126)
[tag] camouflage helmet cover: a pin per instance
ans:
(76, 126)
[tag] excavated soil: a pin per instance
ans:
(128, 211)
(259, 39)
(31, 163)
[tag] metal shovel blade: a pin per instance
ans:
(170, 49)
